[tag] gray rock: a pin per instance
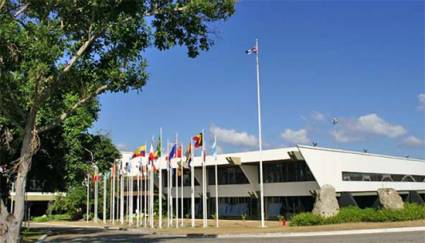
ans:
(326, 204)
(390, 199)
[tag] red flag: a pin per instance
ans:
(198, 139)
(179, 153)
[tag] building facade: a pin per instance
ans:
(291, 175)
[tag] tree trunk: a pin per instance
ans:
(29, 147)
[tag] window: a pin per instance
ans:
(359, 176)
(227, 175)
(286, 171)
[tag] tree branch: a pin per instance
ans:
(21, 10)
(67, 113)
(80, 52)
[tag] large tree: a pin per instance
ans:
(57, 55)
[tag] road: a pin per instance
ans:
(100, 235)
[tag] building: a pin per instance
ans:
(291, 175)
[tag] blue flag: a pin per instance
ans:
(172, 152)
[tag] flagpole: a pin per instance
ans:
(177, 186)
(204, 184)
(96, 192)
(152, 178)
(168, 187)
(122, 197)
(104, 198)
(145, 181)
(260, 145)
(216, 180)
(111, 201)
(88, 198)
(160, 179)
(192, 185)
(181, 183)
(138, 199)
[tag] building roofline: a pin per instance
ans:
(358, 153)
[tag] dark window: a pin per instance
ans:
(227, 175)
(286, 171)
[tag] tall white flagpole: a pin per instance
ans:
(160, 180)
(88, 198)
(96, 192)
(204, 184)
(176, 193)
(216, 181)
(192, 186)
(168, 186)
(145, 201)
(138, 199)
(122, 198)
(111, 203)
(260, 145)
(152, 178)
(130, 198)
(105, 183)
(182, 186)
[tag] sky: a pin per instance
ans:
(342, 74)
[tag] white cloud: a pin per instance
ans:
(296, 136)
(350, 130)
(421, 99)
(412, 141)
(317, 116)
(372, 123)
(233, 137)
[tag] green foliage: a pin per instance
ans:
(54, 217)
(305, 219)
(72, 204)
(411, 211)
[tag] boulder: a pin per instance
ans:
(390, 199)
(326, 204)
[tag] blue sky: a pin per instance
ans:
(361, 62)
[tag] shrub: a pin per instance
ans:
(411, 211)
(305, 219)
(40, 219)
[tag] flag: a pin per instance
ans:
(152, 154)
(158, 148)
(252, 50)
(172, 153)
(139, 152)
(198, 139)
(189, 154)
(179, 152)
(214, 149)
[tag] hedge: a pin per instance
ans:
(411, 211)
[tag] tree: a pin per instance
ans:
(56, 56)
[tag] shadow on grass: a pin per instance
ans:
(66, 234)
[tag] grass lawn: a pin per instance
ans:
(247, 227)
